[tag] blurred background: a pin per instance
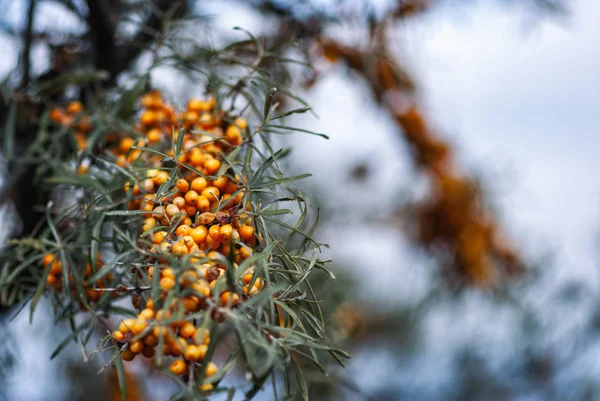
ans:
(458, 190)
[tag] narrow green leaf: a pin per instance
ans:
(121, 375)
(268, 103)
(289, 113)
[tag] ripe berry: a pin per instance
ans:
(127, 355)
(178, 367)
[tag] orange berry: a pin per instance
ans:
(74, 107)
(191, 117)
(211, 369)
(151, 100)
(148, 352)
(245, 252)
(221, 183)
(206, 387)
(201, 287)
(151, 340)
(168, 272)
(51, 280)
(231, 187)
(127, 355)
(149, 223)
(188, 241)
(206, 121)
(48, 258)
(167, 283)
(233, 135)
(159, 236)
(187, 330)
(56, 267)
(210, 243)
(148, 117)
(125, 144)
(182, 185)
(179, 202)
(148, 185)
(199, 234)
(150, 305)
(190, 211)
(178, 346)
(198, 184)
(202, 204)
(192, 353)
(211, 193)
(196, 105)
(154, 135)
(239, 198)
(180, 249)
(226, 232)
(196, 157)
(57, 115)
(183, 230)
(212, 166)
(171, 210)
(191, 196)
(118, 335)
(126, 325)
(139, 326)
(241, 122)
(229, 299)
(165, 247)
(246, 232)
(178, 367)
(161, 177)
(215, 233)
(147, 313)
(136, 347)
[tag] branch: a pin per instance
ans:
(27, 39)
(454, 218)
(102, 31)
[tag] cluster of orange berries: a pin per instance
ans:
(181, 338)
(158, 122)
(193, 210)
(203, 217)
(203, 220)
(72, 116)
(93, 291)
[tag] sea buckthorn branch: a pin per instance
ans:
(454, 219)
(174, 207)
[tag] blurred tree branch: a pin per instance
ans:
(27, 40)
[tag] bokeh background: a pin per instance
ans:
(513, 88)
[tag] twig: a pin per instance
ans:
(124, 289)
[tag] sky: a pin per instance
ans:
(520, 103)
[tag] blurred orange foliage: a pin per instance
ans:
(453, 222)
